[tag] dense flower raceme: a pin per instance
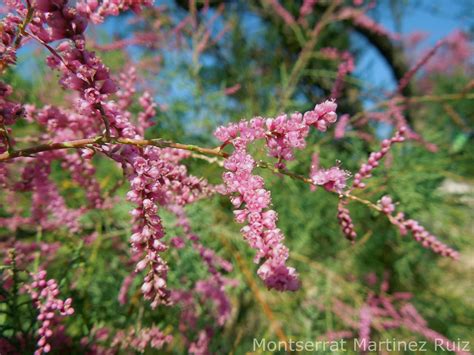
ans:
(386, 205)
(345, 221)
(375, 157)
(81, 69)
(45, 295)
(9, 110)
(156, 179)
(339, 177)
(96, 11)
(210, 290)
(9, 39)
(332, 179)
(281, 134)
(420, 234)
(159, 179)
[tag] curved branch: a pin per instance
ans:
(90, 142)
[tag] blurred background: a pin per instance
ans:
(208, 64)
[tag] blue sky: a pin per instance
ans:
(436, 17)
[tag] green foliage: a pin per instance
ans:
(330, 267)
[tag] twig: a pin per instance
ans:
(83, 143)
(200, 153)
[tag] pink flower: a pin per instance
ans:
(332, 179)
(92, 95)
(365, 170)
(44, 294)
(387, 205)
(345, 222)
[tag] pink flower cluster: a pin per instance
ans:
(332, 179)
(148, 227)
(81, 70)
(156, 179)
(282, 134)
(96, 11)
(261, 232)
(62, 21)
(420, 234)
(365, 170)
(387, 205)
(345, 221)
(85, 73)
(429, 241)
(10, 25)
(9, 110)
(45, 296)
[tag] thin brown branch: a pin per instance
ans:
(83, 143)
(202, 153)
